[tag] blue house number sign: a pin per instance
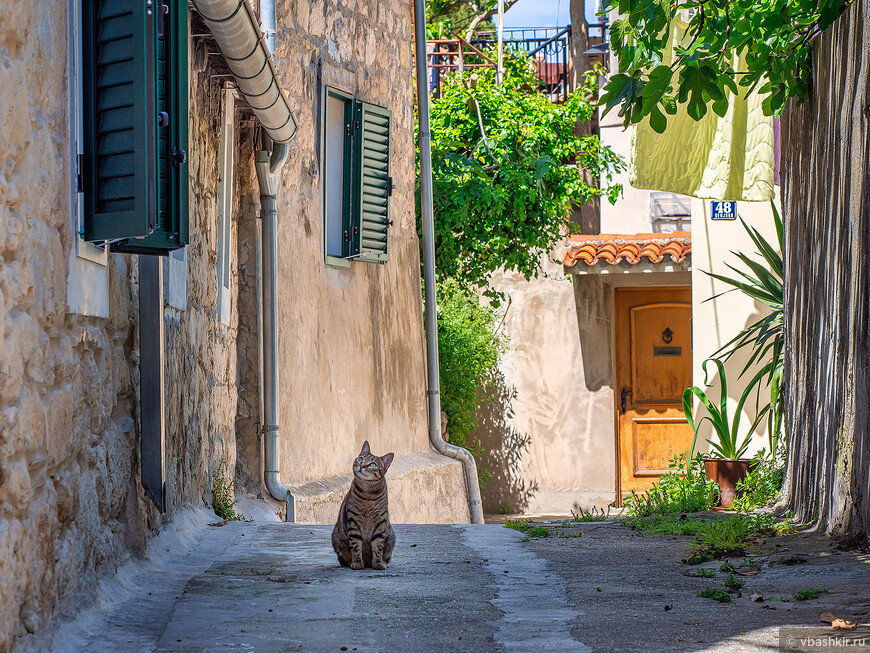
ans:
(723, 210)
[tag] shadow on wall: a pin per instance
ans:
(736, 385)
(503, 450)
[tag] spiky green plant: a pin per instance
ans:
(763, 282)
(728, 444)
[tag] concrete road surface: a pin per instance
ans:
(277, 587)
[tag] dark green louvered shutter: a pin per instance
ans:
(373, 184)
(135, 120)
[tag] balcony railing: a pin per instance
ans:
(550, 48)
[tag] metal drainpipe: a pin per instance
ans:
(268, 165)
(434, 383)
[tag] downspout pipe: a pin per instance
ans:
(433, 393)
(269, 158)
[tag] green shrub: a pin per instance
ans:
(732, 582)
(667, 524)
(723, 538)
(223, 497)
(761, 486)
(468, 350)
(686, 489)
(595, 514)
(507, 167)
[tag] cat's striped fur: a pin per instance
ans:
(363, 535)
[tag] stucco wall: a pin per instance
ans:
(351, 348)
(549, 436)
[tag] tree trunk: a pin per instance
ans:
(826, 201)
(588, 215)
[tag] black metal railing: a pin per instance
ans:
(550, 47)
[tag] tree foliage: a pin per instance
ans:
(468, 349)
(445, 18)
(506, 165)
(761, 45)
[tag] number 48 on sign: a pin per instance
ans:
(721, 210)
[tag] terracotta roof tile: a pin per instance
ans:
(614, 248)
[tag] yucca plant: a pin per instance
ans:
(727, 444)
(764, 283)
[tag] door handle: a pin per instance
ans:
(623, 395)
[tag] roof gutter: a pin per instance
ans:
(433, 393)
(237, 33)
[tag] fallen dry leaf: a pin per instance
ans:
(222, 522)
(756, 598)
(842, 623)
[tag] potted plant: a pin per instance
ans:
(726, 464)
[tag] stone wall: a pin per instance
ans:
(71, 506)
(826, 199)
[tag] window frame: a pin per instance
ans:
(352, 189)
(332, 260)
(226, 172)
(83, 249)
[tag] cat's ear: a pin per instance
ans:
(365, 448)
(387, 459)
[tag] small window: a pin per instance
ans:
(224, 261)
(339, 109)
(670, 212)
(357, 181)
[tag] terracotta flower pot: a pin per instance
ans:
(726, 473)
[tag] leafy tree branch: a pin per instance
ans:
(726, 46)
(507, 166)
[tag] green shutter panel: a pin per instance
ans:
(119, 123)
(372, 183)
(136, 112)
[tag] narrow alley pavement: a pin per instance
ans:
(277, 587)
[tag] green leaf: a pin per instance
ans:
(658, 121)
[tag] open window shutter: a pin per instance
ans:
(372, 183)
(135, 88)
(170, 220)
(119, 120)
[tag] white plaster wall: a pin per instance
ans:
(630, 214)
(717, 321)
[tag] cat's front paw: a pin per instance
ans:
(379, 564)
(356, 565)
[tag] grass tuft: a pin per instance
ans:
(808, 595)
(223, 497)
(715, 595)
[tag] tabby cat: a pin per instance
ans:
(363, 535)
